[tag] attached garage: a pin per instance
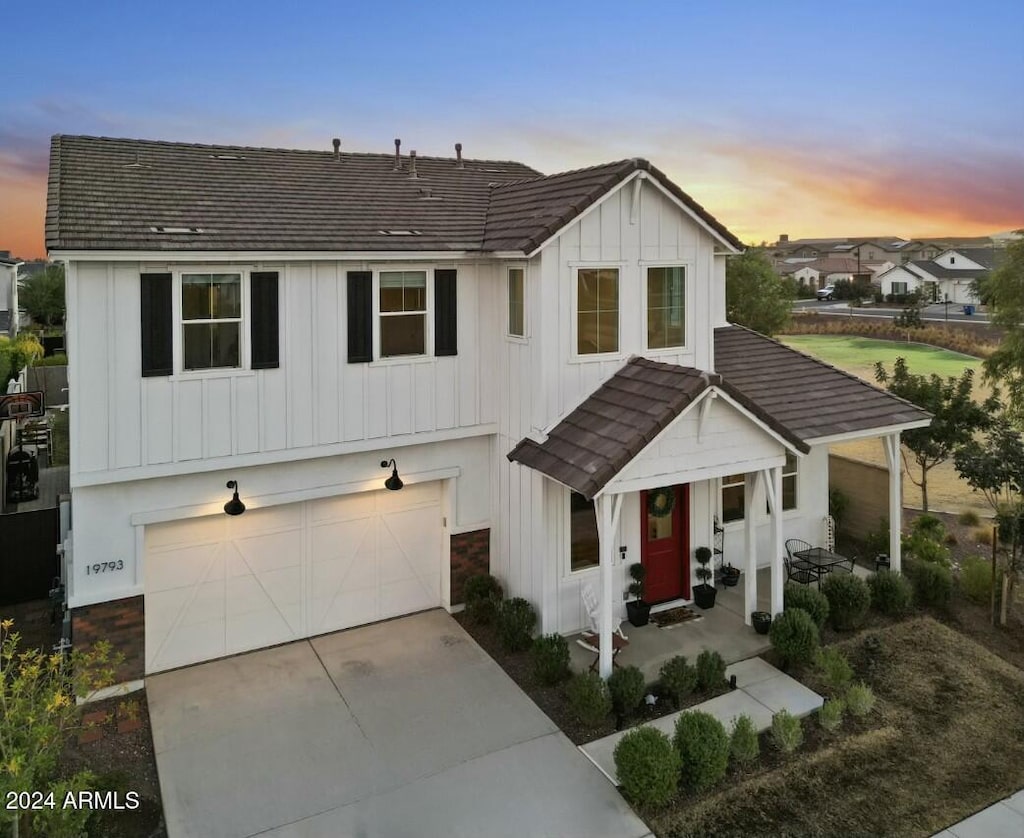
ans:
(220, 585)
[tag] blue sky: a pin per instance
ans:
(894, 118)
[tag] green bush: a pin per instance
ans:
(891, 593)
(933, 583)
(877, 541)
(703, 746)
(516, 619)
(589, 701)
(710, 670)
(550, 654)
(834, 668)
(983, 535)
(58, 360)
(647, 766)
(482, 594)
(860, 700)
(968, 518)
(927, 550)
(976, 578)
(794, 636)
(678, 679)
(929, 526)
(810, 600)
(626, 687)
(830, 716)
(787, 732)
(744, 746)
(848, 600)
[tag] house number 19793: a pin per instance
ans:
(103, 567)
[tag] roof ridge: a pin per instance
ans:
(610, 164)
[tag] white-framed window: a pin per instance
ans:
(402, 303)
(517, 302)
(666, 306)
(597, 311)
(584, 551)
(899, 288)
(211, 307)
(733, 497)
(789, 485)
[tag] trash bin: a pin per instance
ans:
(882, 562)
(968, 309)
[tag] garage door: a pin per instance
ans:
(220, 585)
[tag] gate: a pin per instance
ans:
(28, 555)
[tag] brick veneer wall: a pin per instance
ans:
(471, 554)
(123, 623)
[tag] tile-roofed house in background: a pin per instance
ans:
(951, 275)
(290, 320)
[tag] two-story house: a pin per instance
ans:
(538, 366)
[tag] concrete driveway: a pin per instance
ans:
(404, 728)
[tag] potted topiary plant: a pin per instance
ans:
(704, 594)
(638, 611)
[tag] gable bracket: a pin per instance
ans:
(705, 409)
(634, 209)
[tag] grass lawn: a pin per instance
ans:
(949, 741)
(856, 355)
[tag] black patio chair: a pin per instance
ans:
(802, 572)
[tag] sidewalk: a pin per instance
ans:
(1004, 819)
(761, 691)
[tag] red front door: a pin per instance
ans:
(665, 543)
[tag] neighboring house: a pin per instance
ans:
(872, 250)
(950, 276)
(8, 293)
(545, 358)
(822, 272)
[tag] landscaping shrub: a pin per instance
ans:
(835, 669)
(976, 578)
(810, 600)
(678, 679)
(959, 340)
(647, 766)
(891, 593)
(589, 701)
(877, 541)
(830, 716)
(968, 518)
(516, 619)
(482, 594)
(787, 732)
(57, 360)
(860, 700)
(703, 746)
(794, 636)
(983, 535)
(626, 686)
(928, 526)
(744, 746)
(926, 550)
(848, 600)
(550, 655)
(710, 670)
(933, 583)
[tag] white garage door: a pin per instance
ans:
(220, 585)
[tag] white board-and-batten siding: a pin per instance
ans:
(315, 398)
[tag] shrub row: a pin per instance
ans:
(958, 340)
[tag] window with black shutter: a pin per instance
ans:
(360, 316)
(445, 313)
(157, 320)
(265, 326)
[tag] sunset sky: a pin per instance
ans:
(871, 118)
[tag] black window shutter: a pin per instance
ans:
(360, 317)
(264, 327)
(446, 319)
(157, 328)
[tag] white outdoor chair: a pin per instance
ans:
(591, 640)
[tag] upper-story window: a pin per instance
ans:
(597, 310)
(211, 320)
(516, 302)
(403, 313)
(666, 307)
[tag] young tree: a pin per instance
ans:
(755, 296)
(42, 296)
(957, 417)
(1004, 292)
(15, 354)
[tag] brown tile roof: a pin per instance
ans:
(617, 421)
(110, 194)
(809, 397)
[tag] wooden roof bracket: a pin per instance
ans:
(634, 209)
(705, 409)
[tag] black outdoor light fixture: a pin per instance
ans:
(394, 482)
(234, 506)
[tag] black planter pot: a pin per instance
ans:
(730, 576)
(762, 621)
(704, 596)
(639, 612)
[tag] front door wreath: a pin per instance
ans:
(660, 502)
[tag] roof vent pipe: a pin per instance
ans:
(412, 164)
(337, 148)
(398, 157)
(458, 156)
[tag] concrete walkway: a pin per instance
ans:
(1004, 819)
(761, 691)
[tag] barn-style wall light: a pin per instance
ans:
(394, 482)
(234, 506)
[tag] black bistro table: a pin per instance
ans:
(821, 559)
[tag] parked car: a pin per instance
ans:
(826, 292)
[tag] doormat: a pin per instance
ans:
(675, 617)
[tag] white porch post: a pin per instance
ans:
(608, 509)
(750, 492)
(893, 459)
(773, 483)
